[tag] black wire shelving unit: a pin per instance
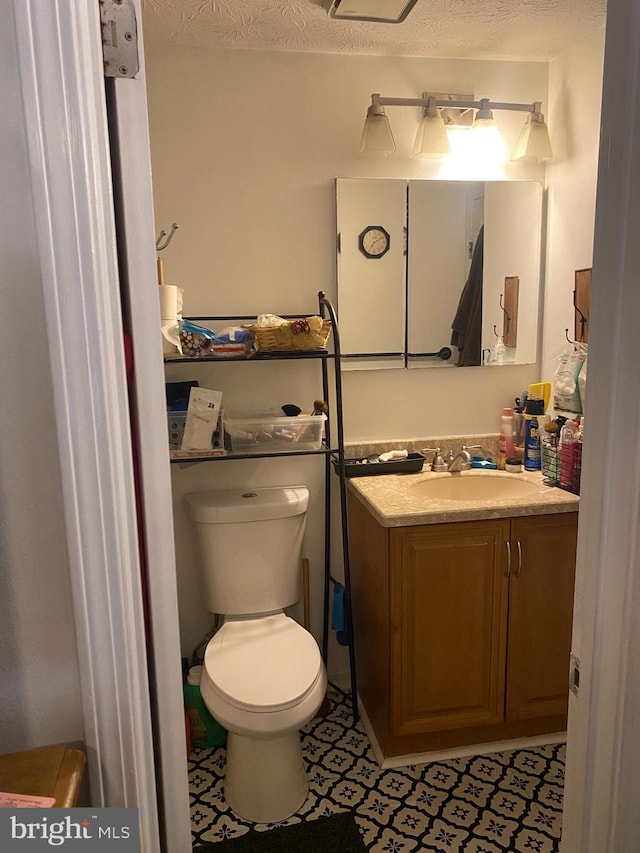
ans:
(333, 451)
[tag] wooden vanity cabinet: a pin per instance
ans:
(463, 629)
(541, 587)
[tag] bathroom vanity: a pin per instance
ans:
(462, 610)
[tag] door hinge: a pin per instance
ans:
(119, 38)
(574, 674)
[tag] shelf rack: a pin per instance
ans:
(329, 451)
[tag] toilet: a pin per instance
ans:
(263, 677)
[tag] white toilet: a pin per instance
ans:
(263, 677)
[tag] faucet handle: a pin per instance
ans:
(438, 463)
(472, 447)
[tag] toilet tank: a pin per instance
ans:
(249, 545)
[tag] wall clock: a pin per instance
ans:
(374, 241)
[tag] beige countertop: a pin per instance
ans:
(394, 502)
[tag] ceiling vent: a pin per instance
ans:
(381, 11)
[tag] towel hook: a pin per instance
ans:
(583, 320)
(495, 331)
(507, 315)
(566, 334)
(159, 244)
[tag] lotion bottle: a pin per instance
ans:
(568, 446)
(505, 441)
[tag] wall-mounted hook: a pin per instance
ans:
(566, 334)
(507, 317)
(160, 246)
(495, 332)
(582, 319)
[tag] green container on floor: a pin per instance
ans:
(204, 729)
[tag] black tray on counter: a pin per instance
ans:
(412, 464)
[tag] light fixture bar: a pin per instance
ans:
(441, 110)
(457, 101)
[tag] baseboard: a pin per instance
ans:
(468, 751)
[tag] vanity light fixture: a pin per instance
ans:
(533, 143)
(378, 11)
(377, 139)
(431, 139)
(441, 111)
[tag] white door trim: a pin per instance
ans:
(601, 808)
(60, 59)
(131, 163)
(63, 92)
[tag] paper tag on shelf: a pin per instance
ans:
(23, 801)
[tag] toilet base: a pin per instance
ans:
(265, 779)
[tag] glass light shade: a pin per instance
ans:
(431, 138)
(377, 139)
(487, 141)
(533, 144)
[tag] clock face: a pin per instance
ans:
(374, 241)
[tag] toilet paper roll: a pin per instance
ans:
(170, 338)
(170, 302)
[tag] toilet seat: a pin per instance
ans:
(263, 665)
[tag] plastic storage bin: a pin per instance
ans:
(175, 424)
(267, 433)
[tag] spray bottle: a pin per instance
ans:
(532, 455)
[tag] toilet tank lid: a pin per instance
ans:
(236, 505)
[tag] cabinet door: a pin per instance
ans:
(540, 615)
(448, 625)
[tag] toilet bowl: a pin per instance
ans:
(263, 679)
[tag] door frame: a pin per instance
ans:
(128, 679)
(601, 812)
(72, 199)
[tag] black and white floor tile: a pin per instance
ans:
(505, 801)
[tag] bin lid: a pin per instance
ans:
(236, 505)
(265, 664)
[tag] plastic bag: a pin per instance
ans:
(234, 341)
(566, 389)
(198, 341)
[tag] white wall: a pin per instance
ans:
(575, 92)
(245, 149)
(39, 689)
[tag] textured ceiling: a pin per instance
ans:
(474, 29)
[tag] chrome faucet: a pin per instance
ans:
(462, 460)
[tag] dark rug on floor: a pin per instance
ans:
(335, 834)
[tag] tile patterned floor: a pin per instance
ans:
(505, 801)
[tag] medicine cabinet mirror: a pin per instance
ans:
(438, 273)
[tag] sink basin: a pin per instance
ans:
(482, 487)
